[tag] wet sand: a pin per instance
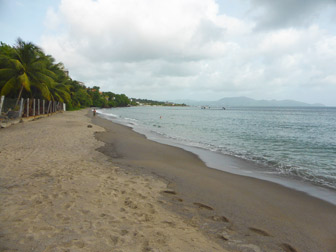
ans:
(239, 213)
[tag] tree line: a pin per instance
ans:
(27, 72)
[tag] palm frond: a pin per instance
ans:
(24, 81)
(43, 78)
(17, 64)
(9, 86)
(45, 92)
(6, 73)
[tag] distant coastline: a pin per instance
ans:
(248, 102)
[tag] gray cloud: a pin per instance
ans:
(287, 13)
(186, 49)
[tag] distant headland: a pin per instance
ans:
(248, 102)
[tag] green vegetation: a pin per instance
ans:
(155, 103)
(25, 71)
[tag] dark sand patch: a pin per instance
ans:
(219, 218)
(259, 231)
(288, 248)
(170, 192)
(203, 206)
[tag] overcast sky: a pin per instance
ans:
(186, 49)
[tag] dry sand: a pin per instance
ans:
(58, 193)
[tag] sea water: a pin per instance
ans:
(296, 143)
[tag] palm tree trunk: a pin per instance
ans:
(18, 99)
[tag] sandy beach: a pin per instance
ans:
(71, 182)
(58, 193)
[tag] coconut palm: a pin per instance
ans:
(23, 69)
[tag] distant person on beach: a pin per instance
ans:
(94, 112)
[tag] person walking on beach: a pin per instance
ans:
(94, 112)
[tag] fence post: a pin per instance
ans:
(64, 106)
(27, 107)
(43, 104)
(38, 106)
(49, 107)
(1, 103)
(34, 107)
(21, 108)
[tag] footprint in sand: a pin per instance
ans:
(124, 232)
(169, 223)
(288, 248)
(203, 206)
(219, 218)
(170, 192)
(130, 204)
(79, 244)
(85, 212)
(67, 206)
(222, 237)
(114, 239)
(259, 231)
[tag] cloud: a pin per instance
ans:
(131, 31)
(287, 13)
(187, 49)
(52, 20)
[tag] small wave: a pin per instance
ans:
(107, 114)
(131, 119)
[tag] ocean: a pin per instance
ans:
(278, 144)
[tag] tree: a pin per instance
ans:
(79, 95)
(26, 71)
(97, 99)
(23, 70)
(122, 100)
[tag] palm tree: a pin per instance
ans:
(59, 88)
(23, 69)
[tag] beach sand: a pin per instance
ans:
(58, 193)
(241, 213)
(62, 189)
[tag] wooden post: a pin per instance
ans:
(64, 106)
(34, 107)
(43, 105)
(21, 108)
(49, 107)
(1, 103)
(38, 106)
(27, 107)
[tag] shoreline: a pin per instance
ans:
(237, 165)
(248, 168)
(269, 215)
